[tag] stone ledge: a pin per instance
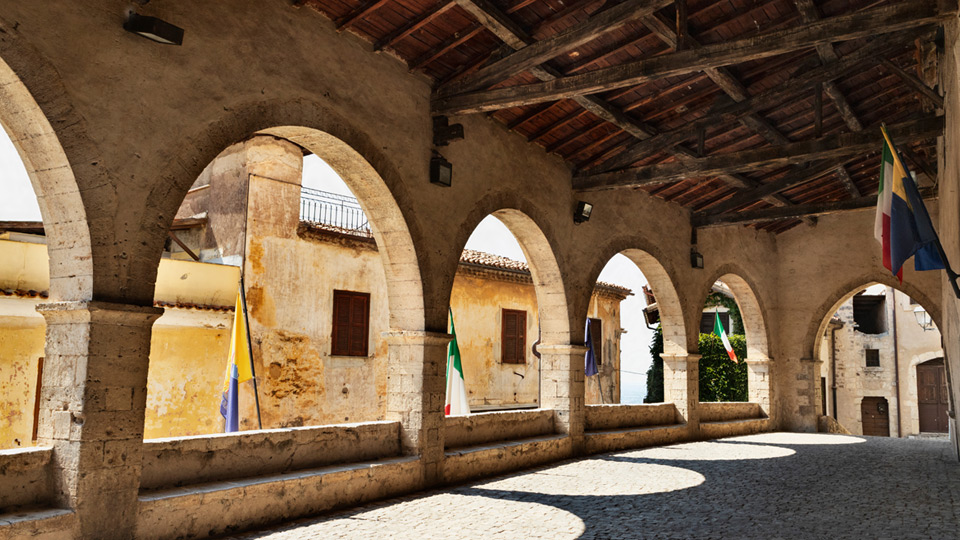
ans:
(201, 510)
(610, 440)
(24, 475)
(487, 460)
(732, 428)
(609, 417)
(492, 427)
(48, 523)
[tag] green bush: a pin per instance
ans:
(720, 379)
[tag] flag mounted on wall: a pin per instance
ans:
(719, 331)
(902, 224)
(590, 360)
(456, 401)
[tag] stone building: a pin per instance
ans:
(742, 147)
(882, 372)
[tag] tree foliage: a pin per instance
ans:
(655, 372)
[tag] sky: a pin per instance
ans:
(17, 199)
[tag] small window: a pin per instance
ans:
(873, 357)
(513, 336)
(351, 323)
(707, 321)
(596, 333)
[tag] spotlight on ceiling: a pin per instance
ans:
(584, 209)
(441, 171)
(154, 29)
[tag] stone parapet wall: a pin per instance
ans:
(474, 429)
(209, 458)
(729, 410)
(604, 417)
(25, 477)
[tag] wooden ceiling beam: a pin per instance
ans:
(451, 43)
(403, 32)
(793, 212)
(914, 82)
(847, 182)
(367, 9)
(824, 148)
(797, 85)
(539, 52)
(903, 15)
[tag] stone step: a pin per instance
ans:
(42, 523)
(500, 457)
(633, 429)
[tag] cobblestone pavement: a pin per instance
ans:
(775, 485)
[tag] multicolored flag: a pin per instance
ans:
(590, 360)
(719, 331)
(456, 400)
(902, 224)
(239, 369)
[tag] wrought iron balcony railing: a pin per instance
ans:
(340, 211)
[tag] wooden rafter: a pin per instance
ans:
(367, 9)
(403, 32)
(453, 42)
(825, 148)
(915, 83)
(882, 20)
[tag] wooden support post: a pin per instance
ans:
(818, 110)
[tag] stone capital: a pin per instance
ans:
(680, 357)
(561, 348)
(99, 312)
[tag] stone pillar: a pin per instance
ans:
(681, 385)
(93, 398)
(808, 385)
(416, 384)
(562, 388)
(758, 383)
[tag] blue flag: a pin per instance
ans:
(590, 360)
(230, 403)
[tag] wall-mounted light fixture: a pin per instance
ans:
(923, 318)
(154, 29)
(584, 209)
(696, 259)
(441, 170)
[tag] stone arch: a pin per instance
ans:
(61, 207)
(647, 258)
(751, 310)
(537, 247)
(817, 327)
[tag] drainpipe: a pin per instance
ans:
(896, 358)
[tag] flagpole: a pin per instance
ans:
(253, 371)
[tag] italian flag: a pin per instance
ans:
(881, 223)
(456, 401)
(718, 330)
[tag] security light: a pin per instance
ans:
(584, 209)
(441, 171)
(154, 29)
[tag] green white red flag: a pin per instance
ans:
(718, 330)
(456, 401)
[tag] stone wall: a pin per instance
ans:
(606, 417)
(459, 431)
(26, 479)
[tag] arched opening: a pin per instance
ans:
(44, 253)
(651, 324)
(327, 267)
(733, 344)
(506, 300)
(880, 363)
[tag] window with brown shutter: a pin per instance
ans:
(36, 401)
(596, 335)
(513, 336)
(351, 323)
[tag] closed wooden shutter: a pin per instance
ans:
(596, 335)
(351, 323)
(513, 336)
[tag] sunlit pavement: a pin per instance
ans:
(776, 485)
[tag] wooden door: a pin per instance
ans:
(875, 414)
(932, 396)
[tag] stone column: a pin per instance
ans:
(758, 383)
(93, 398)
(808, 384)
(562, 388)
(416, 384)
(681, 385)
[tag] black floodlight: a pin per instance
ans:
(696, 259)
(441, 171)
(154, 29)
(584, 209)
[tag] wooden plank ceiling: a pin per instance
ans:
(652, 94)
